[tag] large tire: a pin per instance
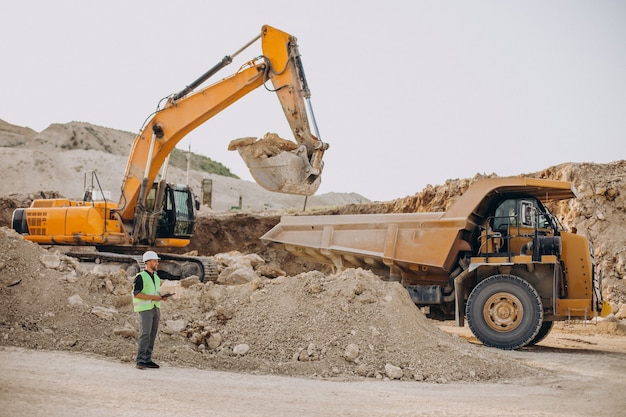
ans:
(504, 311)
(546, 326)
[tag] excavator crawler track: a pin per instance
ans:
(207, 266)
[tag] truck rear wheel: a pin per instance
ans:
(504, 311)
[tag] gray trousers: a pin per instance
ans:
(149, 328)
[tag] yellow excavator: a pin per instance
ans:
(155, 214)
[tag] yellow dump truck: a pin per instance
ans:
(497, 257)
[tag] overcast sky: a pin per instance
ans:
(407, 93)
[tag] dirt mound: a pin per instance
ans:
(353, 323)
(346, 325)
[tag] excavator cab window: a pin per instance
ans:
(167, 219)
(182, 205)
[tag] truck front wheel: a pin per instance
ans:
(504, 311)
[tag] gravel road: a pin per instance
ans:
(586, 377)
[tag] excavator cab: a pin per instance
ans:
(171, 207)
(177, 216)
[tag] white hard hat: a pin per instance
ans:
(149, 255)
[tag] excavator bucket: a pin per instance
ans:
(278, 165)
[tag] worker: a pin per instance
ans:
(147, 302)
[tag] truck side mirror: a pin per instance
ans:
(528, 214)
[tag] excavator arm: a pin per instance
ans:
(296, 170)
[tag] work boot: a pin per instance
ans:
(152, 365)
(141, 365)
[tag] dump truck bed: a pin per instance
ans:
(407, 241)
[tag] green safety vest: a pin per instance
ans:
(150, 288)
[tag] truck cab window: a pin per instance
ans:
(527, 212)
(505, 216)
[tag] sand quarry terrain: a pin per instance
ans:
(275, 336)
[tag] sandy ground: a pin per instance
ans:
(586, 379)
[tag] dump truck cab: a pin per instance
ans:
(525, 270)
